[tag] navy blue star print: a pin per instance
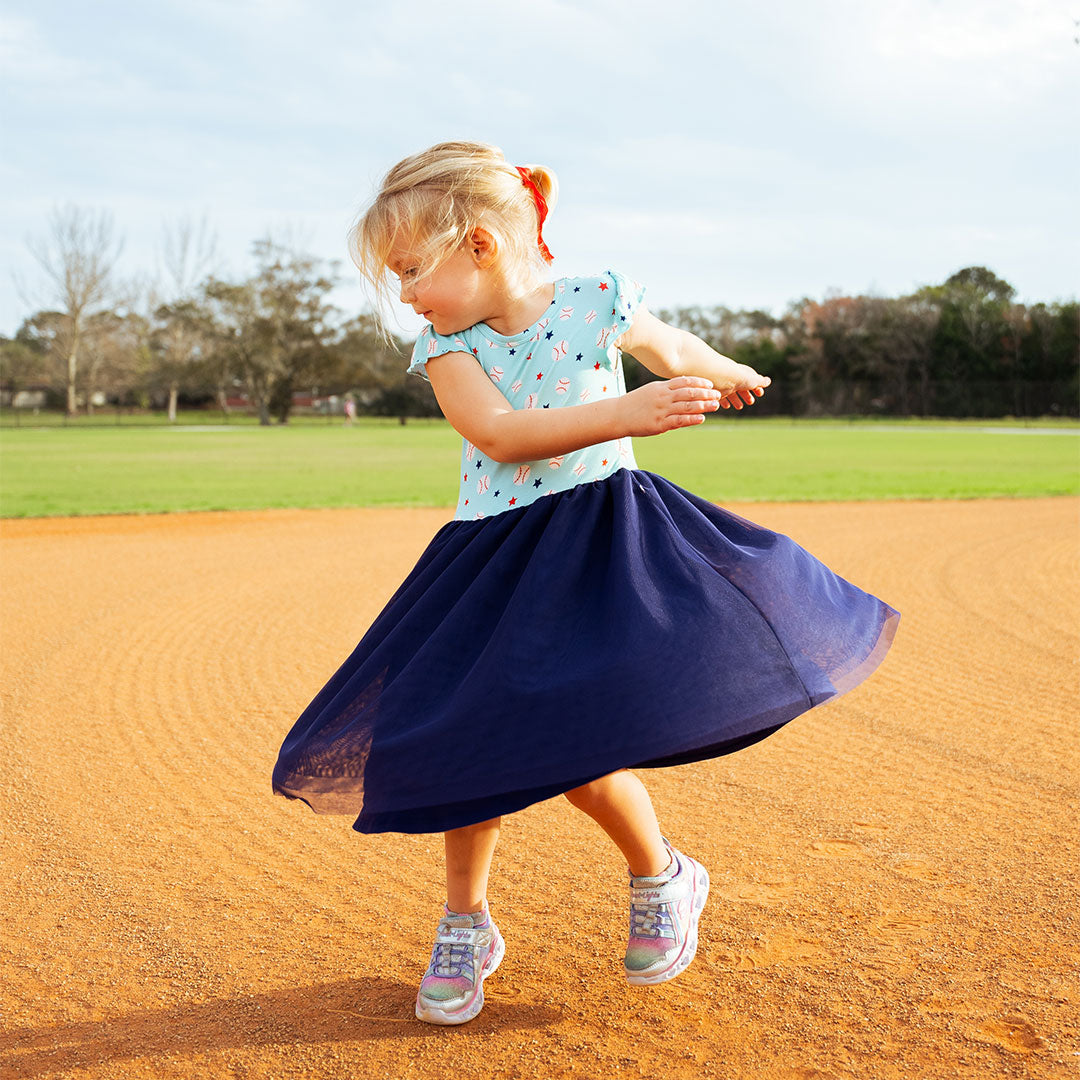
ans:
(538, 482)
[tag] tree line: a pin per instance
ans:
(198, 337)
(961, 348)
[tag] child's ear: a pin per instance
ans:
(484, 247)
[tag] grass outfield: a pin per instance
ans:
(117, 469)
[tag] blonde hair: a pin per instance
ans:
(431, 202)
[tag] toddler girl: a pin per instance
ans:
(579, 617)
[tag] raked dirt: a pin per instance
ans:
(894, 874)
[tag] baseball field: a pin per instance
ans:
(894, 874)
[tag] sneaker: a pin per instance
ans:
(468, 948)
(664, 913)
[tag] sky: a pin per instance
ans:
(746, 154)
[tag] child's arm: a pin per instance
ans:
(482, 415)
(669, 352)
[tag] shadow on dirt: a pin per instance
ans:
(338, 1012)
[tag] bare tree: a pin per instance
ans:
(187, 256)
(115, 359)
(78, 256)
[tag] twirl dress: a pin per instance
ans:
(577, 616)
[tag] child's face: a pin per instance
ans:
(455, 295)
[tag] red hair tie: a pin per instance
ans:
(541, 211)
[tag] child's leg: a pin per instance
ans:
(468, 860)
(667, 888)
(468, 945)
(621, 806)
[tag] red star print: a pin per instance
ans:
(596, 366)
(474, 352)
(604, 462)
(513, 500)
(603, 390)
(467, 501)
(539, 376)
(465, 477)
(603, 286)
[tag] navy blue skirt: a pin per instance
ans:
(623, 623)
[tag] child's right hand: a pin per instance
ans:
(657, 407)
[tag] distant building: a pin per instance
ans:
(33, 397)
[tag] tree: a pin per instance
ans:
(78, 257)
(44, 335)
(374, 367)
(907, 358)
(232, 328)
(188, 252)
(840, 337)
(1049, 359)
(273, 331)
(23, 362)
(970, 342)
(116, 358)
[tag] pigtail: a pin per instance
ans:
(547, 182)
(540, 203)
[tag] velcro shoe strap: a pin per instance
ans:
(459, 935)
(667, 893)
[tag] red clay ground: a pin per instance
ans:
(894, 874)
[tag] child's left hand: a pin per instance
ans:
(670, 352)
(749, 386)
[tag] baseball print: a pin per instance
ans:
(578, 339)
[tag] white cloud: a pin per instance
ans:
(725, 152)
(1032, 33)
(926, 65)
(27, 57)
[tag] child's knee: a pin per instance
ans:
(588, 795)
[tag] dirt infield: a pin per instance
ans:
(894, 874)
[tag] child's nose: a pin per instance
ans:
(407, 291)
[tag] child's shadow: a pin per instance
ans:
(328, 1013)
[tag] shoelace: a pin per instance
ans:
(650, 920)
(448, 960)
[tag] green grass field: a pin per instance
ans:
(149, 469)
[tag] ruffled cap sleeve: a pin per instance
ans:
(429, 344)
(628, 297)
